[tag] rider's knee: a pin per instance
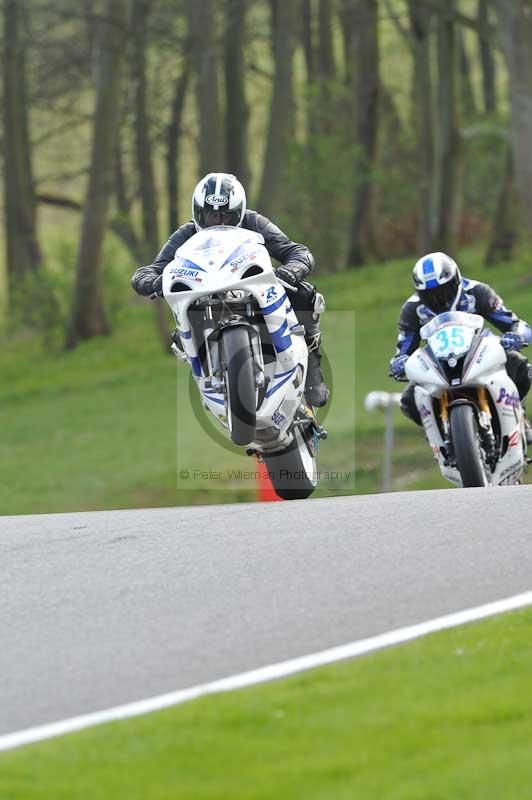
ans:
(520, 372)
(408, 405)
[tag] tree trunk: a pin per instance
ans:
(486, 59)
(326, 61)
(515, 22)
(88, 313)
(420, 20)
(307, 37)
(201, 25)
(23, 254)
(173, 146)
(143, 147)
(236, 113)
(447, 138)
(326, 116)
(347, 22)
(504, 230)
(143, 151)
(281, 122)
(469, 108)
(365, 88)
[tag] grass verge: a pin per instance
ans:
(446, 717)
(109, 425)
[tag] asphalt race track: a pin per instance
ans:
(100, 609)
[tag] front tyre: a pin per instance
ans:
(466, 443)
(237, 360)
(293, 471)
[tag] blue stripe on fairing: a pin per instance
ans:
(281, 340)
(185, 334)
(235, 253)
(282, 374)
(275, 305)
(281, 383)
(213, 399)
(184, 262)
(428, 266)
(196, 365)
(432, 284)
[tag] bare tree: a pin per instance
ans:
(326, 60)
(420, 21)
(201, 15)
(307, 38)
(486, 58)
(469, 106)
(143, 146)
(141, 10)
(361, 17)
(88, 313)
(281, 122)
(174, 132)
(448, 137)
(236, 112)
(23, 254)
(515, 21)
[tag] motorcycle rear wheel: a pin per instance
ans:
(293, 471)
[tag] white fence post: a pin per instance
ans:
(385, 401)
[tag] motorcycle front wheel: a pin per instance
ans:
(240, 389)
(466, 443)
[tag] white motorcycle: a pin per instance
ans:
(247, 351)
(469, 406)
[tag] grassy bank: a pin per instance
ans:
(110, 425)
(448, 716)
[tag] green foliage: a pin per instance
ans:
(396, 180)
(322, 175)
(42, 304)
(447, 716)
(484, 148)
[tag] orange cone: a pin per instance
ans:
(265, 491)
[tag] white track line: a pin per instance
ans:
(269, 673)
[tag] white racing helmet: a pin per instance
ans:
(218, 199)
(438, 282)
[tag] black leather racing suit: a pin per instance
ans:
(278, 245)
(476, 298)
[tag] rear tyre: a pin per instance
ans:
(240, 387)
(466, 443)
(293, 471)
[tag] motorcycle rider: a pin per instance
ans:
(220, 199)
(441, 287)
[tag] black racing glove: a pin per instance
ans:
(292, 273)
(157, 285)
(148, 285)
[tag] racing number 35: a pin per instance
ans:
(452, 337)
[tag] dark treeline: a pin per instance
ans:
(112, 109)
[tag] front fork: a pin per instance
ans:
(485, 423)
(212, 351)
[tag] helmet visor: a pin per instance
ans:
(441, 298)
(207, 217)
